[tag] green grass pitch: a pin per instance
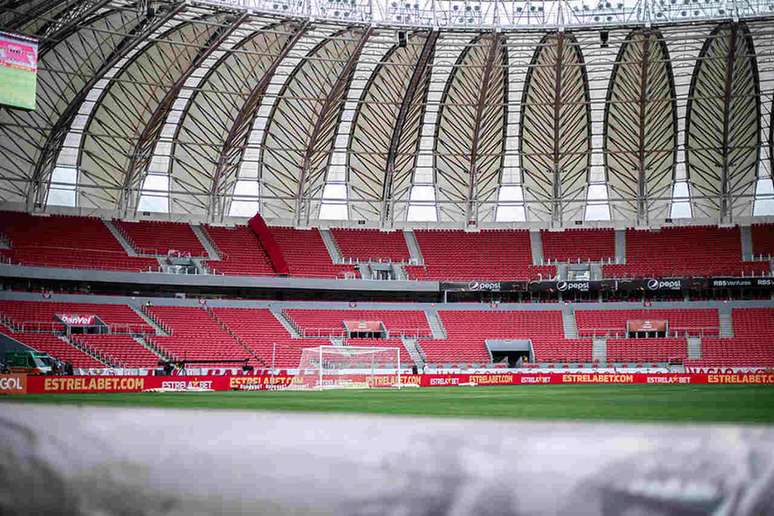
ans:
(654, 403)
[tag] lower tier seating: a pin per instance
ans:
(42, 315)
(646, 350)
(122, 350)
(196, 335)
(613, 322)
(331, 322)
(265, 335)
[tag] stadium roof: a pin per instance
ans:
(535, 113)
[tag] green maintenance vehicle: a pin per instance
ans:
(29, 362)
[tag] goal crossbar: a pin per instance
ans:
(324, 367)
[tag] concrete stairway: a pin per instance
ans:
(415, 253)
(153, 323)
(694, 348)
(568, 322)
(745, 234)
(204, 239)
(725, 320)
(599, 349)
(151, 347)
(536, 245)
(436, 326)
(285, 321)
(620, 246)
(412, 346)
(330, 244)
(120, 237)
(337, 341)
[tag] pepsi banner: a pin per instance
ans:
(483, 286)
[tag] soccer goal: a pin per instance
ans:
(347, 367)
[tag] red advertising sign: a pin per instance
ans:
(635, 325)
(19, 384)
(363, 326)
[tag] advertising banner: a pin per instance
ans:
(18, 70)
(77, 320)
(19, 384)
(13, 384)
(636, 325)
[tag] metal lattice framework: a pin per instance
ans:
(616, 115)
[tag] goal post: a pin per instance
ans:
(348, 367)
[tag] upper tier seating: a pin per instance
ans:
(330, 322)
(468, 331)
(120, 349)
(71, 242)
(306, 254)
(486, 255)
(57, 348)
(371, 244)
(763, 239)
(683, 251)
(646, 350)
(578, 245)
(613, 322)
(752, 344)
(260, 330)
(196, 335)
(40, 315)
(157, 237)
(240, 252)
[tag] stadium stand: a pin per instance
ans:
(371, 244)
(575, 245)
(260, 330)
(646, 350)
(751, 345)
(486, 255)
(306, 255)
(160, 237)
(331, 322)
(684, 251)
(195, 335)
(122, 350)
(57, 348)
(763, 240)
(468, 331)
(41, 315)
(240, 252)
(70, 242)
(613, 322)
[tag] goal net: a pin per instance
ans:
(347, 367)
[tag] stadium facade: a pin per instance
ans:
(397, 114)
